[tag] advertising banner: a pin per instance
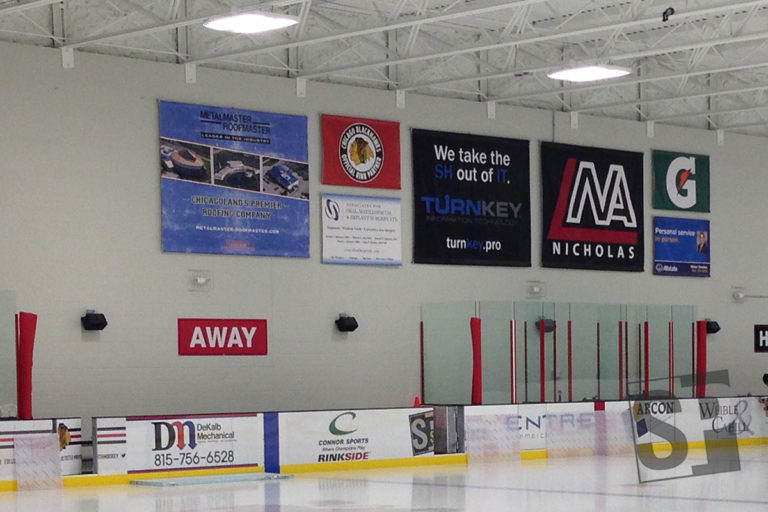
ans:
(338, 436)
(676, 424)
(193, 442)
(360, 152)
(361, 230)
(680, 247)
(680, 181)
(109, 445)
(70, 443)
(222, 337)
(471, 199)
(593, 208)
(233, 181)
(761, 338)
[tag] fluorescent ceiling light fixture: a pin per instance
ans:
(589, 73)
(250, 23)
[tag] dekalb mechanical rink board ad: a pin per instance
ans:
(161, 443)
(185, 443)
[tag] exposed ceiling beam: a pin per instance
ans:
(411, 21)
(676, 97)
(542, 38)
(615, 57)
(703, 113)
(12, 9)
(755, 124)
(192, 20)
(630, 81)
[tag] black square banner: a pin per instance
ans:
(592, 201)
(761, 338)
(471, 199)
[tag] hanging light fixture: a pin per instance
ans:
(250, 22)
(589, 73)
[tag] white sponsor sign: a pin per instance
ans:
(677, 424)
(109, 446)
(38, 465)
(361, 230)
(347, 436)
(194, 442)
(67, 430)
(505, 429)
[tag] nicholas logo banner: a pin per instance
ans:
(680, 181)
(593, 208)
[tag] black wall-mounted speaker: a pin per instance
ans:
(346, 323)
(93, 321)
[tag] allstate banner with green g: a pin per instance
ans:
(471, 199)
(233, 181)
(681, 247)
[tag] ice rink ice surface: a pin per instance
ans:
(570, 484)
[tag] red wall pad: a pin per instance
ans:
(570, 362)
(513, 361)
(26, 324)
(477, 362)
(701, 358)
(542, 362)
(421, 354)
(647, 363)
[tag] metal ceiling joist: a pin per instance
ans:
(481, 50)
(20, 7)
(629, 81)
(408, 22)
(184, 22)
(707, 113)
(676, 97)
(601, 27)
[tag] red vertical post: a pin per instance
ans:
(513, 361)
(554, 363)
(701, 358)
(621, 363)
(542, 362)
(626, 357)
(477, 361)
(693, 357)
(597, 357)
(570, 362)
(26, 325)
(647, 366)
(525, 358)
(421, 351)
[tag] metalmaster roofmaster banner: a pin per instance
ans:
(592, 201)
(472, 199)
(233, 181)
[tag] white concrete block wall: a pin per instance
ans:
(80, 209)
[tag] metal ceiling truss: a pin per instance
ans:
(705, 65)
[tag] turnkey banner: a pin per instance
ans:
(471, 199)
